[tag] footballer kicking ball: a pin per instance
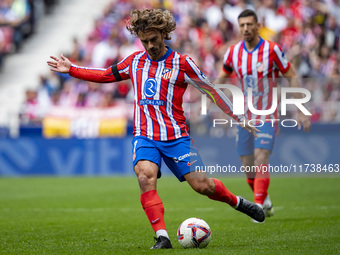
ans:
(194, 233)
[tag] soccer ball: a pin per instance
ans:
(194, 233)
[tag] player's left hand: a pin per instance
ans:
(304, 120)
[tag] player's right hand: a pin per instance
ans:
(61, 65)
(250, 128)
(304, 120)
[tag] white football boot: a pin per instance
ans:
(267, 208)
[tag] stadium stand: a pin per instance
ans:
(18, 20)
(309, 32)
(52, 34)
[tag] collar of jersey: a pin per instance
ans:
(167, 54)
(257, 46)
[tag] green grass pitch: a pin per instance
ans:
(104, 216)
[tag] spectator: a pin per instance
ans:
(16, 14)
(308, 30)
(30, 109)
(2, 47)
(106, 51)
(18, 20)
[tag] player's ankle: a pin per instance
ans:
(162, 232)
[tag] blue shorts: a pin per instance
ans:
(246, 142)
(180, 155)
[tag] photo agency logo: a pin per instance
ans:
(244, 101)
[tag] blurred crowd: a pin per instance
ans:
(18, 21)
(307, 30)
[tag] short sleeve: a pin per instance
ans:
(280, 59)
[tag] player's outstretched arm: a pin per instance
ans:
(61, 65)
(202, 83)
(100, 75)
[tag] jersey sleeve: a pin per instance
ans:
(116, 72)
(280, 59)
(195, 77)
(227, 62)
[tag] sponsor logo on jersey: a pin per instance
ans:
(189, 164)
(264, 135)
(151, 102)
(184, 156)
(150, 87)
(251, 81)
(175, 159)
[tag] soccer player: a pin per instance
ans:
(160, 77)
(257, 63)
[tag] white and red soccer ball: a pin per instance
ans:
(194, 233)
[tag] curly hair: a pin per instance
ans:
(151, 19)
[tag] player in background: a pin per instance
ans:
(160, 77)
(257, 63)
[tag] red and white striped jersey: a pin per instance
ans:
(259, 70)
(158, 91)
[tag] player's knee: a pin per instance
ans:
(247, 160)
(146, 182)
(147, 178)
(145, 175)
(143, 180)
(261, 159)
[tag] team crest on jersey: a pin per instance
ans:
(260, 67)
(167, 73)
